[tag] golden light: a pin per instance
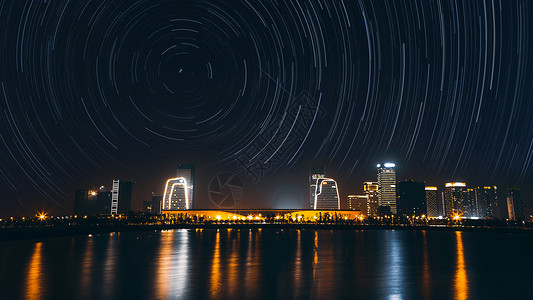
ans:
(277, 217)
(456, 217)
(219, 217)
(234, 217)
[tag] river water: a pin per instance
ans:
(270, 264)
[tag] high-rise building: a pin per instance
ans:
(103, 201)
(371, 192)
(459, 200)
(121, 196)
(157, 202)
(432, 201)
(358, 202)
(387, 186)
(411, 198)
(327, 195)
(176, 195)
(515, 205)
(487, 202)
(315, 173)
(187, 172)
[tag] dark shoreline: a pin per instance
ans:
(37, 233)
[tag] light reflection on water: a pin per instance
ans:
(243, 264)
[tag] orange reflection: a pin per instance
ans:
(461, 279)
(426, 276)
(215, 268)
(298, 269)
(34, 277)
(87, 266)
(164, 267)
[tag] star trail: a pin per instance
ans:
(94, 90)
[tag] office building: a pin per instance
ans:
(176, 195)
(103, 200)
(432, 201)
(358, 202)
(327, 195)
(515, 205)
(371, 192)
(411, 198)
(121, 196)
(315, 173)
(459, 200)
(187, 172)
(487, 202)
(85, 202)
(387, 186)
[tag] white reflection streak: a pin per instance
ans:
(110, 266)
(395, 274)
(179, 274)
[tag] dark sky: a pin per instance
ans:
(99, 89)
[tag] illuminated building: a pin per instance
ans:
(487, 201)
(411, 198)
(187, 171)
(121, 195)
(358, 202)
(371, 192)
(176, 195)
(327, 195)
(510, 208)
(315, 172)
(432, 201)
(458, 199)
(387, 186)
(515, 205)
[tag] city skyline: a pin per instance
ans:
(90, 93)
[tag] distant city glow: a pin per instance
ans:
(455, 184)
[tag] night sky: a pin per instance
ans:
(99, 89)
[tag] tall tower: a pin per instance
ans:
(371, 192)
(327, 195)
(121, 195)
(186, 171)
(432, 202)
(315, 173)
(458, 199)
(387, 186)
(487, 201)
(176, 195)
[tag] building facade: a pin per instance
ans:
(487, 201)
(432, 201)
(459, 200)
(387, 186)
(327, 195)
(176, 195)
(371, 192)
(187, 172)
(315, 173)
(411, 198)
(358, 202)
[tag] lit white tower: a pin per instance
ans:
(387, 186)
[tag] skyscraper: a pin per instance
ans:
(411, 198)
(432, 201)
(121, 196)
(515, 201)
(176, 195)
(459, 199)
(327, 195)
(371, 192)
(187, 171)
(80, 202)
(157, 202)
(315, 173)
(387, 186)
(487, 201)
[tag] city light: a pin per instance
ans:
(390, 165)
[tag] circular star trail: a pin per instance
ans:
(98, 89)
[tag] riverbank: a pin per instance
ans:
(13, 234)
